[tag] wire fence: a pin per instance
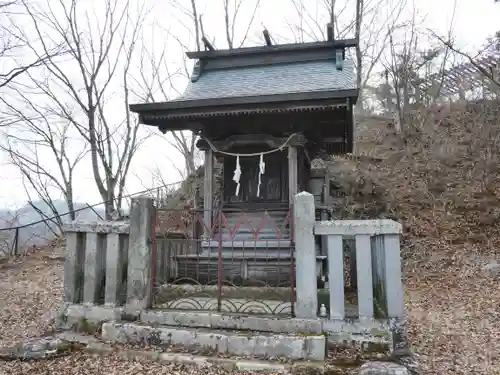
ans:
(17, 238)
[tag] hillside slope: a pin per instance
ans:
(442, 182)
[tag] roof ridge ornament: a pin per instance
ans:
(197, 70)
(339, 59)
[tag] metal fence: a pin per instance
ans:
(238, 261)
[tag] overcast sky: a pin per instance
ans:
(474, 21)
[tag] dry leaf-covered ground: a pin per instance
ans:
(442, 183)
(30, 293)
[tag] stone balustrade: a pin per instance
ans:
(112, 264)
(109, 262)
(380, 297)
(378, 266)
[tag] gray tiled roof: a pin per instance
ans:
(272, 79)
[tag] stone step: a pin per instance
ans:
(254, 227)
(250, 237)
(232, 244)
(274, 219)
(209, 364)
(234, 343)
(227, 321)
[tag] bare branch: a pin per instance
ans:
(100, 44)
(474, 61)
(12, 47)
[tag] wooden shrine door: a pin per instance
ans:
(274, 186)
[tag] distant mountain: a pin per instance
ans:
(38, 233)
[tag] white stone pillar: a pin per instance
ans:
(139, 282)
(364, 272)
(336, 276)
(116, 256)
(393, 280)
(305, 256)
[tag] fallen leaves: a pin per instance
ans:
(445, 193)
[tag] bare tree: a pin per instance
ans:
(40, 146)
(157, 81)
(231, 11)
(13, 52)
(153, 83)
(371, 26)
(80, 90)
(401, 70)
(360, 7)
(310, 24)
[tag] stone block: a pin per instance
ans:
(233, 322)
(140, 259)
(229, 343)
(383, 368)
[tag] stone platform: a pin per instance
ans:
(255, 345)
(335, 331)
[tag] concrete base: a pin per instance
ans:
(223, 342)
(71, 317)
(228, 364)
(251, 327)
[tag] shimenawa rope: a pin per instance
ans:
(262, 165)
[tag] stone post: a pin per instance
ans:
(305, 256)
(395, 294)
(208, 194)
(94, 267)
(364, 276)
(292, 173)
(116, 259)
(139, 282)
(73, 267)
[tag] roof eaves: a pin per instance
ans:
(239, 112)
(244, 100)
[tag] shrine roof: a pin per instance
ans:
(287, 78)
(248, 79)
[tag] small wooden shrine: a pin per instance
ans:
(264, 113)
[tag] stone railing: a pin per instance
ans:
(109, 262)
(378, 263)
(96, 262)
(378, 266)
